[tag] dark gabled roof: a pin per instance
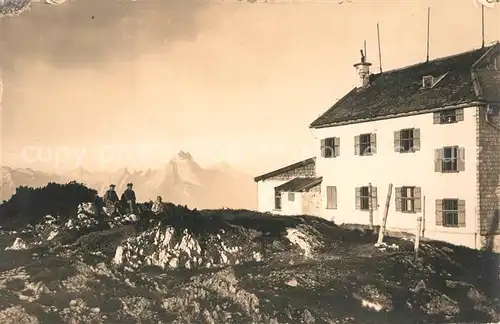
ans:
(489, 83)
(299, 184)
(488, 79)
(285, 169)
(399, 92)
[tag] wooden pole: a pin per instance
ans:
(423, 218)
(381, 232)
(428, 30)
(379, 51)
(364, 47)
(370, 190)
(417, 235)
(482, 26)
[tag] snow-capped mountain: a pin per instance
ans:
(182, 181)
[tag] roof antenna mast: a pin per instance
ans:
(482, 26)
(428, 29)
(379, 52)
(364, 48)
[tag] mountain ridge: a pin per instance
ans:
(182, 181)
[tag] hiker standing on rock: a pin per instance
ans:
(128, 197)
(111, 200)
(158, 206)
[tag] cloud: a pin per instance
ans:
(91, 34)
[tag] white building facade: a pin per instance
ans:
(432, 130)
(291, 190)
(412, 173)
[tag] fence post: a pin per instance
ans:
(370, 205)
(417, 236)
(381, 232)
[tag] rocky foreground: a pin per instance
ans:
(234, 267)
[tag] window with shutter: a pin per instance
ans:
(449, 116)
(408, 199)
(365, 144)
(406, 140)
(330, 147)
(364, 197)
(357, 148)
(331, 197)
(450, 212)
(291, 196)
(450, 159)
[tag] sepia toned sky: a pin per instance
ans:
(130, 83)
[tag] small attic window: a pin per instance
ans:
(427, 81)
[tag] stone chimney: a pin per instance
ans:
(363, 70)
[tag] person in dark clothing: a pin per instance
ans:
(98, 203)
(111, 201)
(128, 198)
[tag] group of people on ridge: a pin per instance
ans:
(127, 201)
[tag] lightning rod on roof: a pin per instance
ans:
(428, 29)
(379, 52)
(482, 26)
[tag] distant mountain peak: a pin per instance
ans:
(185, 160)
(183, 168)
(184, 155)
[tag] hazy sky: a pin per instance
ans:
(231, 81)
